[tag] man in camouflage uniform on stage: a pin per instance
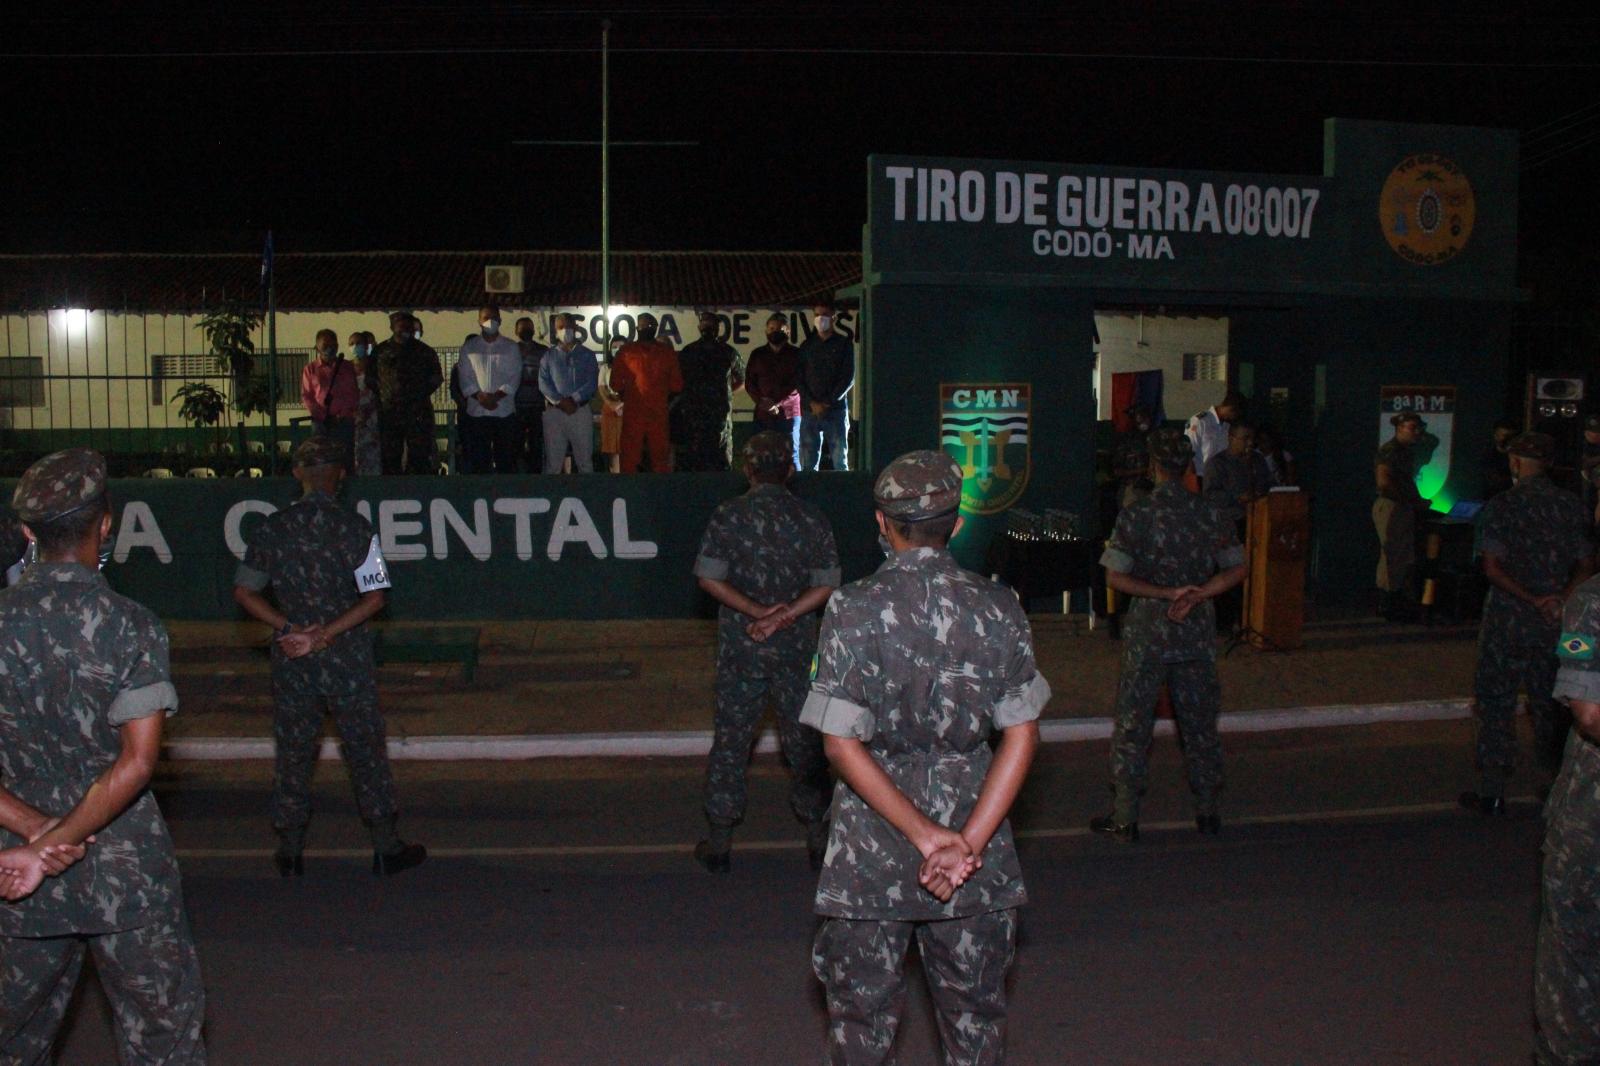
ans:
(1566, 985)
(701, 432)
(917, 666)
(768, 558)
(1535, 547)
(329, 577)
(84, 691)
(409, 373)
(1171, 553)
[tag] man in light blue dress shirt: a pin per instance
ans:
(569, 373)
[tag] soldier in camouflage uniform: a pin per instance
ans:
(768, 558)
(701, 432)
(408, 375)
(1395, 513)
(1172, 554)
(84, 690)
(1130, 456)
(329, 577)
(1535, 547)
(1566, 981)
(917, 666)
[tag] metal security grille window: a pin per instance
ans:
(168, 373)
(1202, 366)
(22, 382)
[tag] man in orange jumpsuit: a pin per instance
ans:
(646, 375)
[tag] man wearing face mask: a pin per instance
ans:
(646, 376)
(529, 401)
(408, 375)
(772, 378)
(491, 372)
(331, 393)
(701, 433)
(827, 373)
(569, 373)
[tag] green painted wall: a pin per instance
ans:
(436, 574)
(924, 335)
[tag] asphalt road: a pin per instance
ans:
(1347, 914)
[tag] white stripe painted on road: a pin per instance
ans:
(542, 851)
(697, 742)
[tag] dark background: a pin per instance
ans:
(369, 126)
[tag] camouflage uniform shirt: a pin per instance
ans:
(922, 662)
(1401, 459)
(772, 546)
(1170, 538)
(408, 376)
(1538, 532)
(76, 662)
(309, 554)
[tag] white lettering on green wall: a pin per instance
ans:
(139, 529)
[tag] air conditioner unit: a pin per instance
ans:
(1558, 389)
(502, 279)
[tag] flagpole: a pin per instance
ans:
(605, 183)
(272, 352)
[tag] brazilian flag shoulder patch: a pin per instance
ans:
(1576, 647)
(814, 666)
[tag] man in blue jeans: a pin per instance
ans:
(827, 373)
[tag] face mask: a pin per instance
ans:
(106, 545)
(526, 336)
(405, 335)
(824, 323)
(569, 335)
(883, 543)
(647, 333)
(491, 327)
(361, 350)
(326, 354)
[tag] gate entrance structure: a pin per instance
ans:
(1394, 267)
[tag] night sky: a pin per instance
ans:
(392, 126)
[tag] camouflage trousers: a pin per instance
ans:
(151, 975)
(406, 442)
(297, 728)
(1196, 700)
(1502, 671)
(741, 701)
(861, 964)
(702, 442)
(1566, 968)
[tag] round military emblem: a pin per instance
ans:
(1427, 209)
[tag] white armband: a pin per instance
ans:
(373, 573)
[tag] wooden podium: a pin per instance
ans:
(1277, 537)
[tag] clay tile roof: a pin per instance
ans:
(375, 281)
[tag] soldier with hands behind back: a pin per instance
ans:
(88, 864)
(917, 667)
(328, 576)
(768, 558)
(1172, 554)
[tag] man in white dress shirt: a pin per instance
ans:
(491, 370)
(1208, 430)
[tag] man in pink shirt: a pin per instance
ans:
(331, 393)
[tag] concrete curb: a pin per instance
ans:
(698, 742)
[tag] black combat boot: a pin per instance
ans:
(1108, 825)
(1208, 824)
(716, 852)
(289, 858)
(1482, 804)
(390, 854)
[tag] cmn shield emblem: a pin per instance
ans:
(984, 427)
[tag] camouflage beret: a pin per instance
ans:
(319, 450)
(1407, 416)
(919, 485)
(769, 452)
(1171, 447)
(1540, 446)
(60, 483)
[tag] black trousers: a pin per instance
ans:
(490, 445)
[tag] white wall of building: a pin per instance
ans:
(97, 365)
(1132, 342)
